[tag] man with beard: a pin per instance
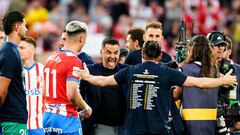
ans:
(13, 105)
(153, 31)
(106, 102)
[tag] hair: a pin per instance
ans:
(154, 24)
(75, 27)
(137, 34)
(30, 40)
(151, 50)
(11, 19)
(200, 50)
(110, 40)
(229, 43)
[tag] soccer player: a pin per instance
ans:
(13, 104)
(61, 85)
(33, 82)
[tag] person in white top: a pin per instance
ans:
(33, 83)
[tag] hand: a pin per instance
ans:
(84, 73)
(229, 79)
(237, 126)
(177, 91)
(86, 112)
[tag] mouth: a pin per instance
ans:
(111, 62)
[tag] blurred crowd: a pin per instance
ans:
(46, 18)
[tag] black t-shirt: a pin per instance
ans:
(148, 96)
(14, 108)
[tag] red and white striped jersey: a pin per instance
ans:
(60, 68)
(33, 88)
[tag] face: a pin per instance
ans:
(22, 29)
(110, 55)
(1, 37)
(154, 34)
(218, 50)
(226, 54)
(26, 50)
(130, 44)
(63, 39)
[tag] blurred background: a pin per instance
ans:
(46, 20)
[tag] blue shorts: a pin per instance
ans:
(39, 131)
(59, 124)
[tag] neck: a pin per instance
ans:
(28, 63)
(13, 37)
(152, 60)
(72, 47)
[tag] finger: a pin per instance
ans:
(229, 72)
(84, 65)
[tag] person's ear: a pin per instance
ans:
(136, 44)
(17, 27)
(144, 37)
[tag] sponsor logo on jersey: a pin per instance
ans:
(33, 92)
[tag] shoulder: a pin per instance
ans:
(121, 66)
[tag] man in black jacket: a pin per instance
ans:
(106, 102)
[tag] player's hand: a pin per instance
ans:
(84, 73)
(88, 112)
(229, 79)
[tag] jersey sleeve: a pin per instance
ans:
(121, 76)
(74, 64)
(8, 64)
(177, 77)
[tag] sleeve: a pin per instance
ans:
(74, 64)
(121, 76)
(8, 64)
(177, 77)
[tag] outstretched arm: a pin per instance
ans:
(97, 80)
(211, 82)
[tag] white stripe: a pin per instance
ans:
(34, 94)
(54, 108)
(63, 110)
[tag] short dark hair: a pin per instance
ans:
(151, 49)
(30, 40)
(137, 34)
(10, 19)
(110, 40)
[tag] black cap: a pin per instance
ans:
(217, 38)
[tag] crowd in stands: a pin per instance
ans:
(46, 19)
